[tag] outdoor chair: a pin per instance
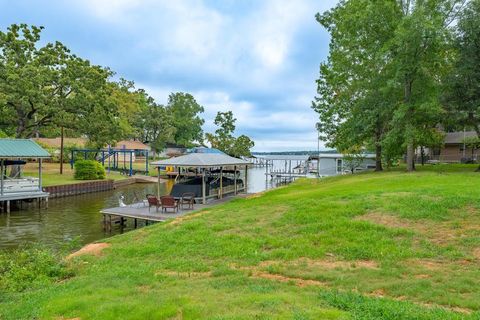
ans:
(187, 200)
(168, 202)
(153, 202)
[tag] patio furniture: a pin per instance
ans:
(187, 200)
(153, 202)
(168, 202)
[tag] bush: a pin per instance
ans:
(30, 268)
(101, 174)
(89, 170)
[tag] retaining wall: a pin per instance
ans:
(79, 188)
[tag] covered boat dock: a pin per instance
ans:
(15, 152)
(212, 169)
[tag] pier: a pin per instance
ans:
(141, 212)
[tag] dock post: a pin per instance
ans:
(221, 183)
(1, 176)
(40, 174)
(8, 206)
(246, 178)
(235, 179)
(204, 200)
(158, 183)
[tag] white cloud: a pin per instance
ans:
(248, 51)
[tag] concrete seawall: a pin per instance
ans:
(74, 189)
(79, 188)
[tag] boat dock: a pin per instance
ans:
(140, 212)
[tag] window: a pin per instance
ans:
(339, 165)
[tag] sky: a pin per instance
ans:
(258, 58)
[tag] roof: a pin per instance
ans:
(131, 145)
(340, 156)
(21, 148)
(201, 160)
(55, 142)
(458, 137)
(292, 157)
(205, 150)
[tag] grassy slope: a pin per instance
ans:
(370, 246)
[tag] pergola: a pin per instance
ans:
(204, 162)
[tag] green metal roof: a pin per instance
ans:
(21, 148)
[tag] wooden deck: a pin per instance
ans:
(140, 211)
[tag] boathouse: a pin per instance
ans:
(16, 152)
(210, 168)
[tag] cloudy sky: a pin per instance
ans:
(258, 58)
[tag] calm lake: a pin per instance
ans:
(78, 217)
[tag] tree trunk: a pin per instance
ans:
(378, 145)
(378, 157)
(477, 130)
(410, 147)
(410, 157)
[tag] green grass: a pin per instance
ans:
(386, 245)
(51, 174)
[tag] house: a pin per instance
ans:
(330, 164)
(173, 150)
(454, 148)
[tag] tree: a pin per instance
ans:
(420, 55)
(381, 83)
(155, 124)
(46, 88)
(462, 94)
(186, 120)
(224, 140)
(242, 146)
(353, 101)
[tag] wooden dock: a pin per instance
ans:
(140, 212)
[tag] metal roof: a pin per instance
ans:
(201, 160)
(21, 148)
(339, 156)
(458, 137)
(293, 157)
(205, 150)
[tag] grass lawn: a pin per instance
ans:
(386, 245)
(52, 177)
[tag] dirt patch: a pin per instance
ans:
(432, 265)
(328, 263)
(280, 278)
(422, 276)
(188, 217)
(437, 232)
(385, 220)
(476, 253)
(192, 274)
(94, 249)
(144, 288)
(255, 195)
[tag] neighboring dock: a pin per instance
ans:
(141, 212)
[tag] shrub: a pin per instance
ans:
(89, 170)
(101, 174)
(30, 268)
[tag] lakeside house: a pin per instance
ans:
(454, 148)
(330, 164)
(173, 150)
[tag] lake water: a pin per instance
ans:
(78, 217)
